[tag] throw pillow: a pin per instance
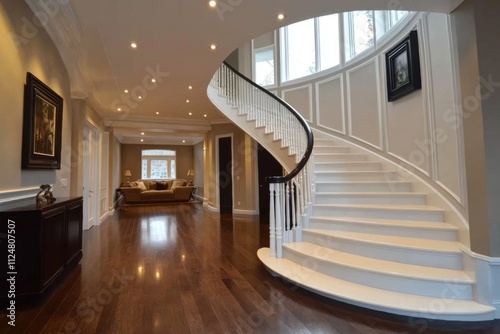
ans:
(177, 184)
(141, 185)
(169, 184)
(161, 185)
(133, 184)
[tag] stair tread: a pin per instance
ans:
(361, 182)
(391, 222)
(406, 207)
(370, 193)
(356, 172)
(374, 298)
(378, 265)
(404, 242)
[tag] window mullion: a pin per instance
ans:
(317, 46)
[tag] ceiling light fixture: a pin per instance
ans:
(205, 115)
(133, 45)
(187, 101)
(157, 113)
(183, 141)
(212, 3)
(142, 133)
(142, 140)
(139, 97)
(190, 114)
(190, 87)
(281, 16)
(119, 109)
(125, 91)
(213, 46)
(153, 80)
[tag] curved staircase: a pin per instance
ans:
(364, 237)
(373, 242)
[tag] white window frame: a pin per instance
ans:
(149, 158)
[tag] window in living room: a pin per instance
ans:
(158, 164)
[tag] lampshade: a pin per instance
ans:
(190, 172)
(127, 173)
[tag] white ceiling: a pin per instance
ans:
(173, 37)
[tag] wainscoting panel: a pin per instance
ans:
(301, 99)
(363, 103)
(330, 104)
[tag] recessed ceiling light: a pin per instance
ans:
(212, 3)
(190, 87)
(281, 16)
(205, 115)
(142, 140)
(190, 114)
(142, 133)
(183, 141)
(157, 113)
(187, 101)
(139, 97)
(213, 46)
(119, 109)
(153, 80)
(133, 45)
(125, 91)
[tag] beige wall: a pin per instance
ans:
(25, 47)
(114, 168)
(131, 159)
(244, 168)
(474, 23)
(199, 167)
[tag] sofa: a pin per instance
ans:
(157, 191)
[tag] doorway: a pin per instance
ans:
(91, 173)
(225, 172)
(267, 166)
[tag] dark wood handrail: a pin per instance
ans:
(310, 138)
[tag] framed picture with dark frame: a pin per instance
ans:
(403, 68)
(42, 126)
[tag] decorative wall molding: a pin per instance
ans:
(16, 195)
(340, 78)
(307, 115)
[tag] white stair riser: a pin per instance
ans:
(332, 211)
(346, 166)
(331, 149)
(381, 280)
(379, 229)
(356, 176)
(335, 157)
(389, 198)
(363, 187)
(387, 252)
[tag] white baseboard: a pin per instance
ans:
(212, 208)
(105, 216)
(485, 271)
(245, 212)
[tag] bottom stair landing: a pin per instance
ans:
(414, 306)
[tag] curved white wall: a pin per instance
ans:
(419, 131)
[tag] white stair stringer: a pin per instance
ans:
(371, 240)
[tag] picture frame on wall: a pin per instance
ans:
(403, 68)
(42, 126)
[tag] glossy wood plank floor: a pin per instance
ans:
(180, 269)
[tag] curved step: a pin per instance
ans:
(377, 299)
(423, 252)
(401, 228)
(380, 211)
(377, 175)
(333, 157)
(370, 198)
(387, 275)
(330, 149)
(347, 166)
(365, 186)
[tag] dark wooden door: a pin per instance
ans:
(225, 175)
(268, 166)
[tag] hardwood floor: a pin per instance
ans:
(180, 269)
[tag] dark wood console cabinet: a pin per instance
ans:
(48, 244)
